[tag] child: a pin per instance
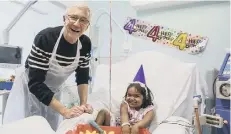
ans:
(136, 110)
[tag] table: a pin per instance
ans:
(5, 94)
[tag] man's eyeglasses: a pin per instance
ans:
(74, 18)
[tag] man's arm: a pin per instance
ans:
(82, 72)
(57, 106)
(38, 64)
(83, 93)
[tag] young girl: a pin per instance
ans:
(136, 110)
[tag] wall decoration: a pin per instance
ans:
(193, 44)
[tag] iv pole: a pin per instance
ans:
(94, 33)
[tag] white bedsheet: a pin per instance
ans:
(174, 125)
(172, 82)
(30, 125)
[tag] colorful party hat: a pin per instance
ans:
(140, 76)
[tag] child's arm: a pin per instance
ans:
(146, 121)
(124, 113)
(124, 119)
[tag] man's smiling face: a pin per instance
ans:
(76, 22)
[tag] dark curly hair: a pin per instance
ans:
(147, 99)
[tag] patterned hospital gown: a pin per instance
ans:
(134, 115)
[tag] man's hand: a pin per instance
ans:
(87, 108)
(75, 111)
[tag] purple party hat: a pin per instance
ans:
(140, 76)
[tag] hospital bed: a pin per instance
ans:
(173, 83)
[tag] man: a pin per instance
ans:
(57, 53)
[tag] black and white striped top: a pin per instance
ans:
(38, 61)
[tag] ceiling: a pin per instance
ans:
(58, 2)
(69, 3)
(38, 7)
(154, 4)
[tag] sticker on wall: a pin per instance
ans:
(193, 44)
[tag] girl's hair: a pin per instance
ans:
(147, 97)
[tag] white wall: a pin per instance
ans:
(211, 19)
(23, 33)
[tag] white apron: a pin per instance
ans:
(22, 103)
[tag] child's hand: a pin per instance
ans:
(135, 129)
(126, 130)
